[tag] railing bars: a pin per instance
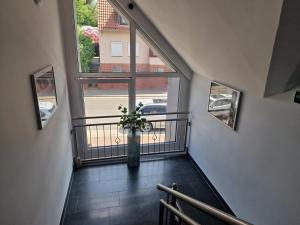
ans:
(225, 217)
(181, 215)
(105, 140)
(115, 116)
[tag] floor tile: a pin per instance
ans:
(117, 195)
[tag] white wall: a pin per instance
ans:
(256, 169)
(211, 34)
(35, 164)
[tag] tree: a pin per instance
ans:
(86, 14)
(87, 51)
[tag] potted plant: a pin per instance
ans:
(133, 123)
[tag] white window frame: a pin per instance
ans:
(151, 34)
(116, 52)
(133, 27)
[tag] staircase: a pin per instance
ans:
(171, 212)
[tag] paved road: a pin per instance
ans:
(103, 105)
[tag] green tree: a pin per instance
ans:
(87, 51)
(86, 14)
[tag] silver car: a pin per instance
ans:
(154, 108)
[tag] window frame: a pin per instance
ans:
(122, 21)
(111, 49)
(137, 48)
(133, 28)
(132, 74)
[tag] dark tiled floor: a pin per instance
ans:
(115, 195)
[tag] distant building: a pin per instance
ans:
(114, 44)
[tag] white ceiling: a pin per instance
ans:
(229, 41)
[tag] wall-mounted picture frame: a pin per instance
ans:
(224, 103)
(44, 95)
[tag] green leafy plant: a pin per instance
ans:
(134, 120)
(86, 13)
(87, 51)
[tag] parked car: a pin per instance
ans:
(220, 104)
(46, 110)
(153, 108)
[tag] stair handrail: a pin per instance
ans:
(176, 212)
(223, 216)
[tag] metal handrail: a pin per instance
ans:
(115, 123)
(115, 116)
(181, 215)
(225, 217)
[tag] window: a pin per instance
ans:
(137, 49)
(118, 77)
(103, 34)
(122, 20)
(158, 94)
(102, 99)
(99, 25)
(116, 49)
(150, 60)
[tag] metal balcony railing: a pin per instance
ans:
(166, 133)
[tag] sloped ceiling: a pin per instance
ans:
(229, 41)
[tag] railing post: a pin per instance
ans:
(173, 198)
(77, 160)
(161, 214)
(173, 203)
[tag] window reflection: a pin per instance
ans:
(223, 103)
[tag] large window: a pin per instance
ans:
(105, 49)
(119, 64)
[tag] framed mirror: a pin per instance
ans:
(44, 95)
(224, 103)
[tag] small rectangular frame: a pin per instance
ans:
(44, 95)
(224, 103)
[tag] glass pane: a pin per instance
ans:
(148, 59)
(103, 35)
(158, 91)
(158, 95)
(103, 99)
